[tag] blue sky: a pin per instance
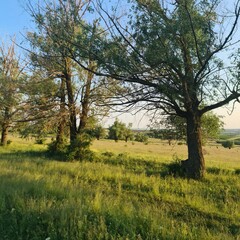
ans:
(15, 20)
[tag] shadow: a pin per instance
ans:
(33, 154)
(237, 171)
(31, 209)
(142, 166)
(222, 171)
(24, 155)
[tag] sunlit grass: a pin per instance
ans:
(124, 195)
(158, 150)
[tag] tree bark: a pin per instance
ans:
(62, 121)
(195, 164)
(86, 99)
(5, 128)
(71, 103)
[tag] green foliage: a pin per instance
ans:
(98, 132)
(211, 126)
(175, 127)
(12, 84)
(128, 133)
(80, 148)
(58, 149)
(141, 137)
(228, 144)
(40, 140)
(119, 131)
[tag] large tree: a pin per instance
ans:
(59, 27)
(168, 55)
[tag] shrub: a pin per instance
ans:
(228, 144)
(108, 154)
(80, 148)
(57, 148)
(40, 141)
(140, 137)
(236, 142)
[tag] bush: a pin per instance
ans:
(108, 154)
(228, 144)
(40, 141)
(236, 142)
(56, 148)
(80, 148)
(140, 137)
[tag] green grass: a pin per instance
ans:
(123, 195)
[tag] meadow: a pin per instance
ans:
(126, 192)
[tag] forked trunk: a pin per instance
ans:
(195, 164)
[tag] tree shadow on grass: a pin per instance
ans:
(140, 165)
(23, 155)
(223, 171)
(153, 168)
(136, 165)
(29, 207)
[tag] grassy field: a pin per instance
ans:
(124, 193)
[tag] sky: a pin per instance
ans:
(14, 20)
(13, 17)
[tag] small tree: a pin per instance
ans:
(116, 131)
(128, 133)
(98, 132)
(228, 144)
(141, 137)
(174, 127)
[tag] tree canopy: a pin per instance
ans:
(168, 55)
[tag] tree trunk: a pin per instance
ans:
(5, 128)
(62, 121)
(195, 164)
(71, 103)
(86, 99)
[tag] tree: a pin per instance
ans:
(128, 133)
(116, 131)
(174, 127)
(98, 132)
(59, 26)
(141, 137)
(12, 79)
(168, 57)
(211, 126)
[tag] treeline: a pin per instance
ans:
(119, 131)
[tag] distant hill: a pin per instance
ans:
(231, 131)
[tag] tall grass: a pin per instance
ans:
(123, 195)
